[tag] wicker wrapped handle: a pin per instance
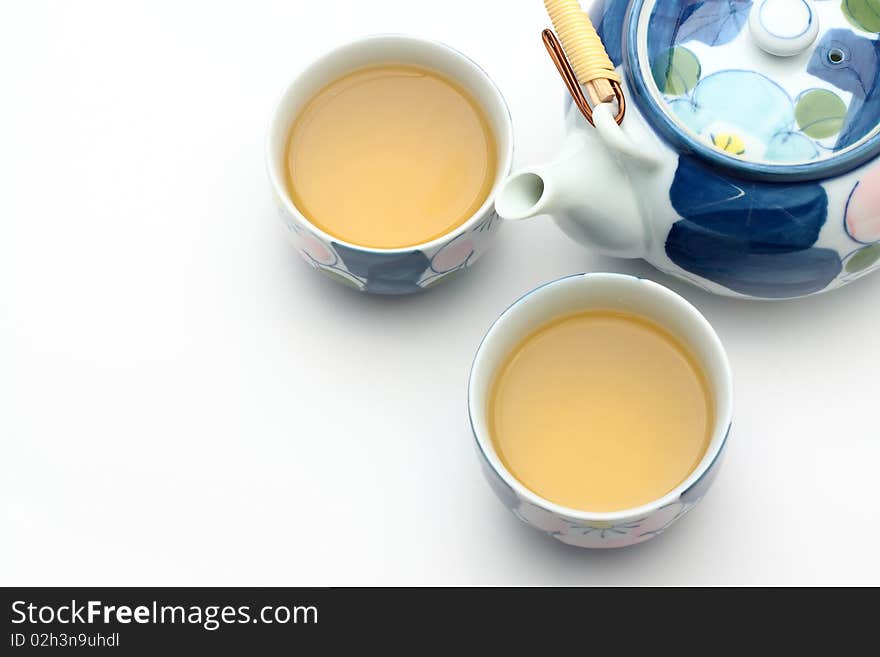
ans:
(581, 58)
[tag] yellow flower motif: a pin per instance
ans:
(606, 529)
(600, 524)
(729, 143)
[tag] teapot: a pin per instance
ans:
(746, 160)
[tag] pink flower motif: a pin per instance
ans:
(315, 249)
(453, 255)
(863, 209)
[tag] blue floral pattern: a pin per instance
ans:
(752, 237)
(857, 72)
(392, 273)
(385, 273)
(724, 104)
(763, 161)
(744, 112)
(608, 16)
(601, 534)
(713, 22)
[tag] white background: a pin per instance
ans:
(182, 401)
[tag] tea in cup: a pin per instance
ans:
(385, 156)
(601, 404)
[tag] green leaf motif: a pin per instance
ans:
(864, 14)
(820, 113)
(340, 278)
(862, 259)
(677, 71)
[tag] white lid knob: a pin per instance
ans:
(784, 27)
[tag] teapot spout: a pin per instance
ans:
(588, 192)
(524, 195)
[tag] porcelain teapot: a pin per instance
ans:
(746, 160)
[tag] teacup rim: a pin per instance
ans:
(718, 441)
(504, 168)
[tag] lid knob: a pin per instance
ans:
(784, 27)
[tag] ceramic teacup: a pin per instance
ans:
(390, 271)
(581, 527)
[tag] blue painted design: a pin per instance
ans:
(642, 90)
(858, 73)
(787, 37)
(754, 238)
(611, 27)
(726, 101)
(385, 273)
(764, 218)
(713, 22)
(729, 96)
(791, 147)
(490, 222)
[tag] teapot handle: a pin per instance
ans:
(620, 140)
(596, 72)
(602, 90)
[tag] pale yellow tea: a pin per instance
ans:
(601, 411)
(391, 157)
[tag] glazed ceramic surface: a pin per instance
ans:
(390, 271)
(583, 292)
(747, 160)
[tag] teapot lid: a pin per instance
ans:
(774, 88)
